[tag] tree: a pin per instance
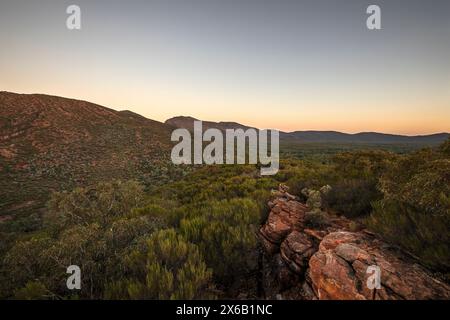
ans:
(99, 204)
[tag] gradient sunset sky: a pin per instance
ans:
(290, 65)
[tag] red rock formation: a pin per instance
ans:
(339, 270)
(286, 215)
(332, 263)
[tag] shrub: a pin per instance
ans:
(316, 219)
(352, 197)
(95, 249)
(364, 164)
(225, 232)
(33, 290)
(163, 266)
(24, 262)
(100, 204)
(415, 211)
(424, 235)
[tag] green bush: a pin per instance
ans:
(93, 241)
(352, 197)
(33, 290)
(163, 266)
(316, 219)
(424, 235)
(99, 204)
(415, 210)
(225, 232)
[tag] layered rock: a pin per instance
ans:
(333, 263)
(286, 215)
(340, 270)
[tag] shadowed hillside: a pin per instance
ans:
(52, 143)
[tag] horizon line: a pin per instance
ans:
(230, 121)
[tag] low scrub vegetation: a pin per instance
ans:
(195, 238)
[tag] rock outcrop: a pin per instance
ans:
(331, 262)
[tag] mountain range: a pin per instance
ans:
(319, 136)
(50, 143)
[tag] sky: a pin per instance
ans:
(283, 64)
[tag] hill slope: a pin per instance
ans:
(53, 143)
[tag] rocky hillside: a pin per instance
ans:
(52, 143)
(307, 257)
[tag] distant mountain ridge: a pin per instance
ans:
(188, 123)
(363, 137)
(319, 136)
(50, 143)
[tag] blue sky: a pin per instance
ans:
(274, 64)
